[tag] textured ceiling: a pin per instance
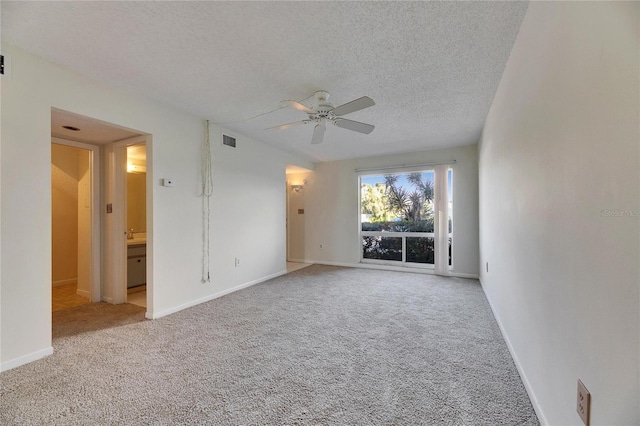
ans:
(431, 67)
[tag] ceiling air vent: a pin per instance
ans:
(228, 141)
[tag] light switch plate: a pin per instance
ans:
(168, 182)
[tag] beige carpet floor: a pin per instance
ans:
(320, 346)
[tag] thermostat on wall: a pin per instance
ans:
(168, 182)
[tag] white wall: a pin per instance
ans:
(249, 199)
(332, 210)
(560, 149)
(249, 206)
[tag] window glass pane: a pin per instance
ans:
(401, 202)
(383, 248)
(420, 250)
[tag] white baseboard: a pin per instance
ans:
(388, 268)
(83, 293)
(463, 275)
(373, 266)
(297, 261)
(527, 385)
(156, 315)
(17, 362)
(63, 282)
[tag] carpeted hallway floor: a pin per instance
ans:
(322, 345)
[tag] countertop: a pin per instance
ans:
(138, 241)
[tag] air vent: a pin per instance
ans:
(228, 141)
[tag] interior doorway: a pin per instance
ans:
(136, 208)
(104, 262)
(296, 185)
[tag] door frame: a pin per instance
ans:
(95, 294)
(116, 227)
(286, 219)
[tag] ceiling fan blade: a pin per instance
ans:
(318, 132)
(300, 107)
(356, 126)
(286, 126)
(353, 106)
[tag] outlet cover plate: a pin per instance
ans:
(5, 66)
(584, 403)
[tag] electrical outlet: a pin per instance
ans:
(321, 246)
(5, 66)
(487, 266)
(584, 403)
(237, 262)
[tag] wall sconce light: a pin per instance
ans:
(296, 188)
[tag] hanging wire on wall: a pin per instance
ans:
(206, 192)
(261, 114)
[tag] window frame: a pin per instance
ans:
(403, 235)
(436, 205)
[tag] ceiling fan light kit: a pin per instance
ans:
(324, 112)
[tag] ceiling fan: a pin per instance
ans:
(324, 112)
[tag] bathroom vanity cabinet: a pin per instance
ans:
(136, 265)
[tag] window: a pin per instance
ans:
(398, 218)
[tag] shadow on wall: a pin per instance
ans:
(70, 216)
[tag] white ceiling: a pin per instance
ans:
(431, 67)
(91, 131)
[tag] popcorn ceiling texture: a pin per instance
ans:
(431, 67)
(323, 345)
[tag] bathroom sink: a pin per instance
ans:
(137, 241)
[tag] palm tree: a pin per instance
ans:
(397, 197)
(409, 205)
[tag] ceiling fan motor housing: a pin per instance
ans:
(321, 95)
(324, 111)
(323, 108)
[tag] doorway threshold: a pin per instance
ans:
(294, 266)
